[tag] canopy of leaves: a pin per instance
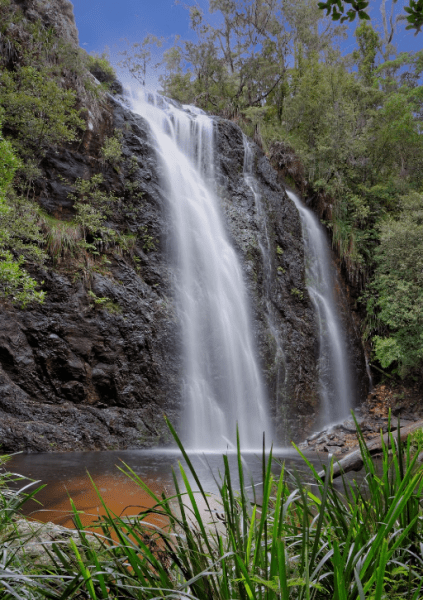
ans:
(337, 10)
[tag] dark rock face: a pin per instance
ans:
(282, 309)
(53, 13)
(349, 284)
(75, 375)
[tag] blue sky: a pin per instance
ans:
(104, 23)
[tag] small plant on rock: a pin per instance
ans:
(111, 151)
(93, 206)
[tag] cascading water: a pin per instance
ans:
(222, 380)
(335, 378)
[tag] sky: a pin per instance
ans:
(106, 23)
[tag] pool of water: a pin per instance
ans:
(68, 476)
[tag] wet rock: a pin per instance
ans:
(34, 540)
(280, 316)
(314, 437)
(331, 449)
(76, 375)
(335, 442)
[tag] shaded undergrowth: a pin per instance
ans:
(302, 541)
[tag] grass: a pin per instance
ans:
(299, 541)
(62, 238)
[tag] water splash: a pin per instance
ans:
(222, 380)
(336, 388)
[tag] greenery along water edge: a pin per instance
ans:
(300, 540)
(353, 122)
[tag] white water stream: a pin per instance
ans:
(334, 375)
(222, 380)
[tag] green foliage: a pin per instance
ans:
(297, 293)
(18, 231)
(8, 164)
(416, 440)
(336, 9)
(127, 242)
(104, 303)
(99, 65)
(15, 283)
(398, 286)
(414, 15)
(38, 112)
(149, 242)
(93, 205)
(112, 149)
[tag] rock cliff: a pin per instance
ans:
(99, 363)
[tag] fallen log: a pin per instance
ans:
(354, 461)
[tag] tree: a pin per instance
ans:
(337, 10)
(398, 288)
(139, 57)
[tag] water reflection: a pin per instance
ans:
(68, 476)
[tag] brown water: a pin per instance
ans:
(66, 476)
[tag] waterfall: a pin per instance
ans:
(334, 375)
(222, 380)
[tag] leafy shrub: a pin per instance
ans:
(38, 112)
(112, 149)
(15, 282)
(18, 230)
(398, 287)
(99, 65)
(93, 206)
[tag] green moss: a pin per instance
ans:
(297, 293)
(105, 303)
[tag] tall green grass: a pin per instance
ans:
(62, 238)
(297, 541)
